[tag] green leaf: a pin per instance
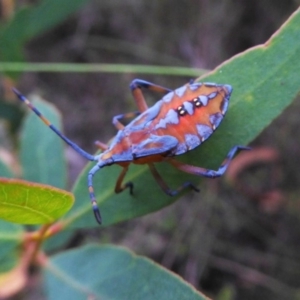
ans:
(41, 151)
(147, 195)
(11, 49)
(58, 241)
(30, 21)
(107, 272)
(11, 236)
(265, 81)
(30, 203)
(49, 13)
(98, 68)
(11, 113)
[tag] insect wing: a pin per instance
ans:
(154, 145)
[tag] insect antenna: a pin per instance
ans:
(48, 123)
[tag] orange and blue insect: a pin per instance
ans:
(181, 121)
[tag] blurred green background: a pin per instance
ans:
(242, 240)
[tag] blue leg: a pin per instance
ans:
(95, 207)
(207, 172)
(165, 187)
(139, 83)
(53, 128)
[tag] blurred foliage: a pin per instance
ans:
(227, 243)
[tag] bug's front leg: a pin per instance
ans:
(165, 187)
(95, 207)
(207, 172)
(136, 89)
(53, 128)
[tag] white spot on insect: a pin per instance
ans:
(204, 131)
(170, 118)
(224, 106)
(215, 119)
(189, 107)
(192, 141)
(143, 120)
(168, 97)
(228, 88)
(212, 95)
(181, 148)
(180, 91)
(195, 86)
(203, 99)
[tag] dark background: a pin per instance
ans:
(242, 240)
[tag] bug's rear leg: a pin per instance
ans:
(165, 187)
(121, 187)
(207, 172)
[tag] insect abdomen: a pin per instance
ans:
(192, 113)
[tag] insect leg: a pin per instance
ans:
(116, 119)
(92, 193)
(207, 172)
(119, 187)
(165, 187)
(101, 145)
(136, 86)
(47, 122)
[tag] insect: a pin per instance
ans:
(181, 121)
